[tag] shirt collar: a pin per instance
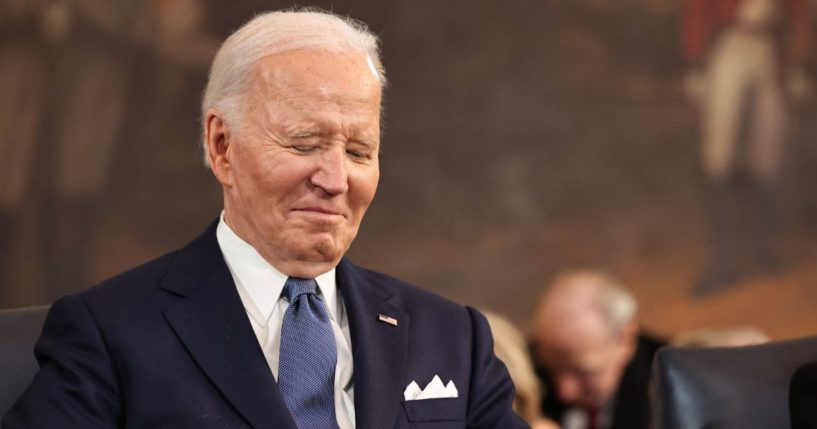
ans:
(259, 283)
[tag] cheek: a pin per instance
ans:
(610, 380)
(364, 184)
(247, 167)
(275, 178)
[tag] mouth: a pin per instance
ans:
(318, 211)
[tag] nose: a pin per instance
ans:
(568, 388)
(331, 174)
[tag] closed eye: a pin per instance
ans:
(361, 149)
(304, 148)
(357, 154)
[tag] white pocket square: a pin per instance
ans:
(434, 390)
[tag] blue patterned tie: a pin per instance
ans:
(306, 372)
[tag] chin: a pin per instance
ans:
(316, 247)
(330, 242)
(326, 250)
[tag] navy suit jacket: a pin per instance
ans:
(169, 345)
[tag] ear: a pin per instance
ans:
(218, 138)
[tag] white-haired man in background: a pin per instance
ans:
(590, 353)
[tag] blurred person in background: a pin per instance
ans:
(590, 353)
(510, 347)
(748, 61)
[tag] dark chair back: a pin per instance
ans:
(19, 330)
(727, 388)
(803, 397)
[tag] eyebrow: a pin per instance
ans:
(305, 132)
(367, 141)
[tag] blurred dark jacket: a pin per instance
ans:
(632, 407)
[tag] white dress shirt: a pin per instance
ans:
(260, 285)
(577, 418)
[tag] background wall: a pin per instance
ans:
(521, 138)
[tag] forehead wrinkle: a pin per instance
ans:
(280, 70)
(275, 86)
(324, 97)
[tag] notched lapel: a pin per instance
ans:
(212, 324)
(379, 349)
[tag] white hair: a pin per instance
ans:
(273, 33)
(616, 303)
(579, 291)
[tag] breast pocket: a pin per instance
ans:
(435, 410)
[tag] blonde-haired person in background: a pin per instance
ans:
(510, 347)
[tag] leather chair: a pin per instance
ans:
(803, 397)
(19, 330)
(727, 388)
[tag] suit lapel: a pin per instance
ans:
(212, 324)
(379, 349)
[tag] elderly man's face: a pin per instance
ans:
(301, 171)
(586, 368)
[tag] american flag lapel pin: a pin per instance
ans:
(386, 319)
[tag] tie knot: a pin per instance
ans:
(295, 287)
